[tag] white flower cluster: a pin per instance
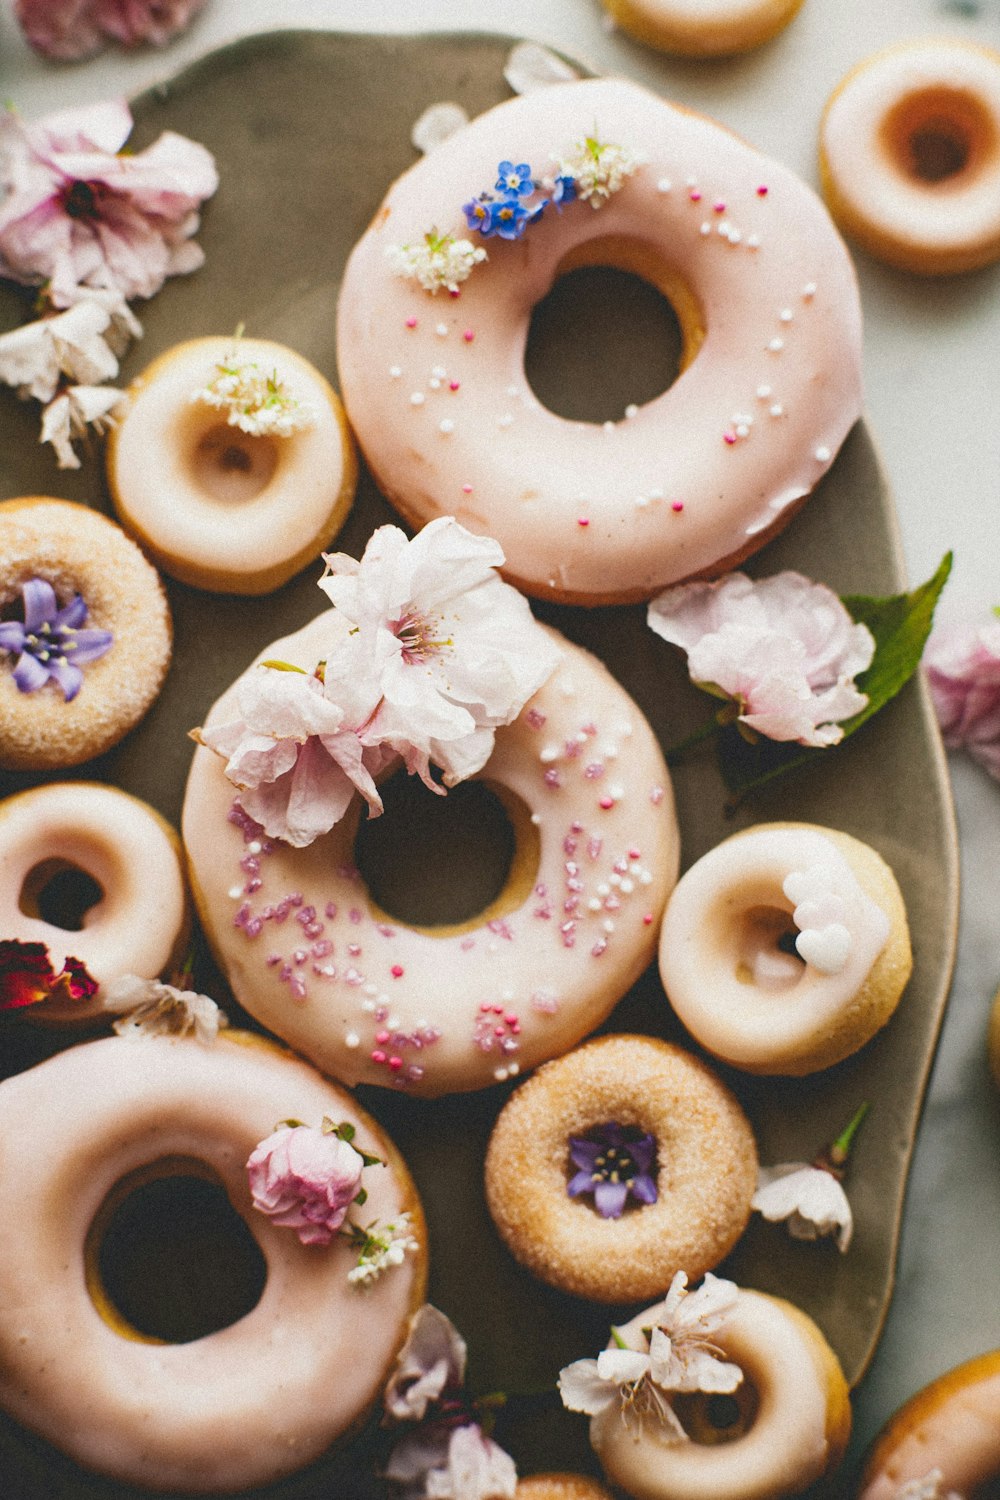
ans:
(255, 402)
(599, 169)
(927, 1488)
(437, 261)
(383, 1249)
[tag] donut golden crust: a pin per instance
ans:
(910, 155)
(702, 28)
(238, 1407)
(78, 551)
(952, 1425)
(372, 999)
(693, 480)
(560, 1487)
(139, 925)
(785, 948)
(218, 507)
(706, 1169)
(792, 1427)
(993, 1039)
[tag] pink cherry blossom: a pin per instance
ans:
(70, 29)
(783, 649)
(305, 1179)
(80, 213)
(963, 669)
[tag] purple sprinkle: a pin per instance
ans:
(534, 718)
(594, 846)
(552, 778)
(331, 909)
(594, 771)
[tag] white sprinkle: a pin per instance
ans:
(396, 371)
(734, 236)
(664, 185)
(627, 886)
(506, 420)
(368, 1006)
(777, 410)
(370, 989)
(235, 892)
(507, 996)
(742, 430)
(617, 791)
(417, 398)
(785, 315)
(434, 383)
(609, 426)
(536, 818)
(753, 241)
(548, 754)
(776, 345)
(705, 227)
(439, 372)
(723, 228)
(394, 1023)
(763, 391)
(254, 846)
(593, 904)
(608, 925)
(656, 494)
(823, 454)
(641, 501)
(442, 330)
(604, 889)
(631, 410)
(809, 290)
(514, 1069)
(609, 751)
(567, 687)
(352, 1040)
(691, 181)
(615, 880)
(513, 391)
(446, 426)
(499, 1074)
(645, 878)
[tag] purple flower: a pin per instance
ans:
(50, 641)
(563, 190)
(479, 213)
(514, 182)
(612, 1163)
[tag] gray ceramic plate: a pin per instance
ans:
(308, 130)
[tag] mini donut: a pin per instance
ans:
(910, 155)
(993, 1039)
(560, 1487)
(706, 1169)
(77, 551)
(785, 948)
(234, 511)
(690, 482)
(702, 28)
(788, 1421)
(371, 999)
(139, 923)
(951, 1426)
(237, 1407)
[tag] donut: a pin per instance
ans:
(704, 1168)
(560, 1487)
(685, 485)
(232, 465)
(694, 28)
(785, 948)
(993, 1039)
(371, 999)
(910, 155)
(786, 1425)
(82, 574)
(948, 1432)
(239, 1405)
(138, 923)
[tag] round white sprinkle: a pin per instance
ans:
(499, 1074)
(394, 1023)
(439, 372)
(442, 330)
(514, 1069)
(370, 989)
(742, 430)
(609, 426)
(608, 925)
(776, 345)
(446, 426)
(645, 878)
(593, 904)
(395, 371)
(763, 391)
(548, 754)
(627, 886)
(664, 185)
(617, 791)
(705, 227)
(254, 846)
(235, 892)
(368, 1006)
(641, 501)
(631, 410)
(785, 315)
(823, 455)
(418, 398)
(604, 889)
(809, 290)
(506, 420)
(352, 1039)
(724, 227)
(753, 241)
(536, 818)
(777, 410)
(434, 383)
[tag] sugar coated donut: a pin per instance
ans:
(240, 1405)
(436, 1009)
(233, 464)
(560, 1487)
(785, 1426)
(703, 1166)
(138, 923)
(690, 482)
(785, 948)
(74, 588)
(702, 28)
(910, 155)
(945, 1441)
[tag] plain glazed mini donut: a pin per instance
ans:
(371, 999)
(789, 1425)
(223, 508)
(685, 485)
(560, 1487)
(910, 155)
(785, 948)
(951, 1427)
(76, 551)
(694, 28)
(242, 1405)
(706, 1169)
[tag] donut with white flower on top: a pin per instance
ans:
(433, 321)
(785, 948)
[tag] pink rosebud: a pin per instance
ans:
(963, 669)
(69, 29)
(305, 1179)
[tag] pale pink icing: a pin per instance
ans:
(582, 510)
(372, 1000)
(240, 1406)
(959, 1434)
(122, 845)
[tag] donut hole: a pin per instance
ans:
(604, 338)
(765, 952)
(232, 466)
(711, 1418)
(60, 893)
(442, 864)
(939, 134)
(168, 1258)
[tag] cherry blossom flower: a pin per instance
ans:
(66, 419)
(963, 669)
(783, 650)
(288, 751)
(71, 29)
(80, 212)
(809, 1200)
(305, 1179)
(431, 1361)
(50, 642)
(35, 357)
(614, 1168)
(446, 649)
(145, 1007)
(27, 976)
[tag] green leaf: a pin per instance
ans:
(900, 624)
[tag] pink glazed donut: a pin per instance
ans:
(432, 370)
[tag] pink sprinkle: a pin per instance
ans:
(466, 489)
(382, 1037)
(762, 191)
(411, 322)
(454, 291)
(677, 505)
(607, 802)
(647, 919)
(498, 1031)
(396, 971)
(729, 437)
(582, 521)
(719, 206)
(378, 1057)
(468, 335)
(657, 795)
(453, 385)
(497, 1010)
(395, 1063)
(511, 1018)
(695, 195)
(485, 1005)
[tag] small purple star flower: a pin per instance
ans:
(613, 1163)
(563, 190)
(50, 641)
(479, 213)
(516, 182)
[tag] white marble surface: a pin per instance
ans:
(933, 379)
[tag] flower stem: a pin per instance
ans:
(696, 738)
(841, 1147)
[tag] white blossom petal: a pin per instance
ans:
(432, 1358)
(436, 124)
(808, 1199)
(145, 1007)
(531, 66)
